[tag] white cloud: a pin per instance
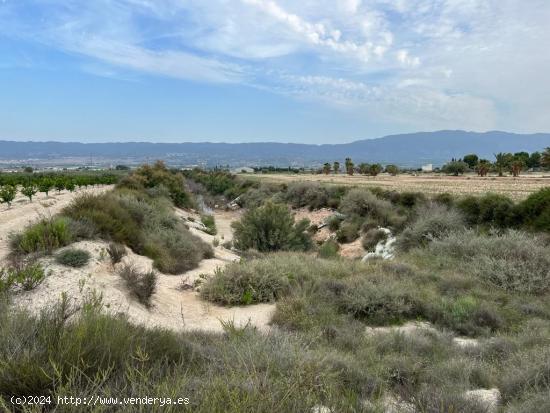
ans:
(447, 63)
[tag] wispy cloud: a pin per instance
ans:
(440, 63)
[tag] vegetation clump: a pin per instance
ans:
(209, 223)
(73, 257)
(116, 252)
(43, 237)
(271, 227)
(142, 285)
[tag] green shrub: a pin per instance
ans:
(116, 252)
(535, 210)
(73, 258)
(271, 227)
(514, 261)
(432, 222)
(491, 209)
(372, 237)
(27, 276)
(329, 249)
(141, 285)
(45, 236)
(334, 221)
(148, 226)
(348, 232)
(210, 223)
(239, 284)
(363, 203)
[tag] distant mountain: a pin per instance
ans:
(407, 149)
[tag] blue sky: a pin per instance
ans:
(318, 71)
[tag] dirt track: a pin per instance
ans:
(515, 188)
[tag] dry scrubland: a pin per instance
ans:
(515, 188)
(130, 292)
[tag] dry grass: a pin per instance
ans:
(515, 188)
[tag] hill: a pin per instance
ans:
(406, 149)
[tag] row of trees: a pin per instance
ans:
(30, 185)
(363, 168)
(504, 162)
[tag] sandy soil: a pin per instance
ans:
(174, 307)
(23, 212)
(516, 188)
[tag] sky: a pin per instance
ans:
(312, 71)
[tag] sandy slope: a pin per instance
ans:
(23, 212)
(173, 307)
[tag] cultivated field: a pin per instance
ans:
(515, 188)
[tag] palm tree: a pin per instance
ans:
(326, 168)
(516, 166)
(375, 169)
(483, 167)
(503, 160)
(349, 166)
(336, 167)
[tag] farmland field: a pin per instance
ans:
(515, 188)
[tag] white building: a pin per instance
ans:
(428, 167)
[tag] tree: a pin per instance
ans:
(375, 169)
(393, 170)
(471, 159)
(326, 168)
(349, 166)
(7, 194)
(502, 162)
(29, 190)
(534, 160)
(516, 166)
(455, 168)
(60, 184)
(45, 185)
(483, 167)
(336, 167)
(69, 185)
(363, 168)
(545, 159)
(28, 169)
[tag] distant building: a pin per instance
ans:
(243, 170)
(428, 167)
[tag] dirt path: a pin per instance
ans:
(23, 212)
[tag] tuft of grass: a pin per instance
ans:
(372, 237)
(73, 257)
(26, 275)
(142, 285)
(116, 252)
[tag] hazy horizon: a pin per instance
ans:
(270, 70)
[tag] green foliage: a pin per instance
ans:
(329, 249)
(455, 168)
(157, 175)
(431, 223)
(45, 185)
(25, 275)
(372, 237)
(45, 236)
(513, 261)
(142, 285)
(7, 194)
(489, 209)
(210, 223)
(348, 232)
(29, 190)
(471, 159)
(148, 226)
(271, 227)
(393, 170)
(73, 257)
(362, 203)
(535, 210)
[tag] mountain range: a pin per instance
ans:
(411, 149)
